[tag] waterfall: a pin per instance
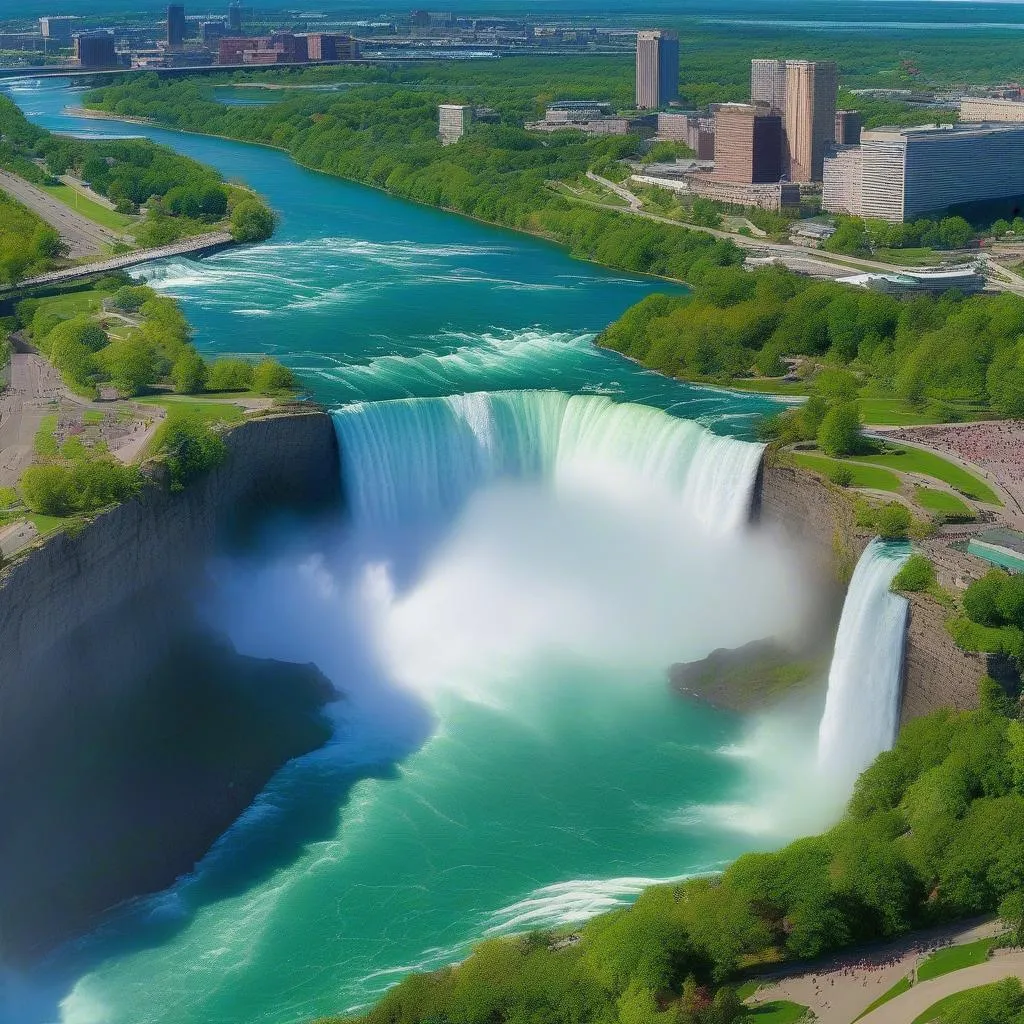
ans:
(863, 701)
(424, 457)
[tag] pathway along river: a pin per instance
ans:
(508, 755)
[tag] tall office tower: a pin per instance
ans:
(235, 17)
(657, 69)
(748, 143)
(811, 89)
(453, 120)
(848, 125)
(95, 50)
(175, 26)
(56, 27)
(768, 83)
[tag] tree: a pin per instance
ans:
(188, 375)
(252, 221)
(189, 446)
(131, 364)
(981, 598)
(893, 521)
(270, 377)
(916, 574)
(230, 375)
(839, 433)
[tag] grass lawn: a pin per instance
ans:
(213, 412)
(901, 986)
(748, 988)
(942, 502)
(45, 442)
(98, 214)
(764, 385)
(874, 477)
(47, 524)
(914, 460)
(949, 1003)
(954, 958)
(92, 416)
(891, 412)
(69, 304)
(782, 1011)
(908, 257)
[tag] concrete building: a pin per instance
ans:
(453, 119)
(848, 127)
(235, 17)
(212, 31)
(292, 48)
(775, 196)
(657, 69)
(811, 88)
(95, 50)
(175, 26)
(983, 108)
(232, 49)
(565, 111)
(841, 181)
(58, 28)
(321, 46)
(700, 137)
(644, 125)
(748, 143)
(908, 172)
(673, 127)
(768, 83)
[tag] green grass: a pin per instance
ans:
(92, 416)
(212, 412)
(914, 460)
(47, 524)
(748, 988)
(950, 1002)
(69, 304)
(972, 636)
(90, 209)
(765, 385)
(955, 958)
(909, 257)
(942, 502)
(892, 412)
(781, 1011)
(901, 986)
(45, 441)
(875, 478)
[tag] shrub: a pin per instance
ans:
(839, 433)
(230, 375)
(893, 521)
(252, 221)
(189, 447)
(842, 475)
(270, 376)
(189, 373)
(85, 486)
(981, 598)
(130, 298)
(916, 574)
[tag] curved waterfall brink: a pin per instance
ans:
(421, 457)
(863, 701)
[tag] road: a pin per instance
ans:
(907, 1007)
(799, 258)
(82, 236)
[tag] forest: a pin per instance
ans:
(179, 195)
(28, 245)
(936, 352)
(934, 831)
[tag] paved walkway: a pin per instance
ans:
(82, 236)
(843, 987)
(905, 1008)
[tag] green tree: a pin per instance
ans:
(189, 446)
(916, 574)
(252, 221)
(893, 521)
(839, 433)
(270, 377)
(131, 364)
(230, 375)
(189, 373)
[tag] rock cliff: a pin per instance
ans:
(819, 516)
(130, 735)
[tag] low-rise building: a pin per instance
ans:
(966, 280)
(986, 108)
(775, 196)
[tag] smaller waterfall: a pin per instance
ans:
(862, 706)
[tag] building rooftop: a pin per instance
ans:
(962, 129)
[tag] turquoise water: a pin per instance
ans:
(498, 612)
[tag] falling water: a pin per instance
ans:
(862, 705)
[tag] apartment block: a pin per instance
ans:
(848, 127)
(986, 109)
(811, 89)
(842, 180)
(657, 69)
(748, 143)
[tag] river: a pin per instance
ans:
(508, 755)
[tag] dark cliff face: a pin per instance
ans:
(131, 736)
(817, 515)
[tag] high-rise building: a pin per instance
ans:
(95, 50)
(175, 26)
(811, 88)
(768, 83)
(235, 17)
(57, 28)
(842, 179)
(453, 119)
(657, 69)
(748, 143)
(908, 172)
(211, 31)
(848, 125)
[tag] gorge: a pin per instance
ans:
(516, 567)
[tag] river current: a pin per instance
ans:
(508, 755)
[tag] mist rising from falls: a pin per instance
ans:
(863, 701)
(406, 459)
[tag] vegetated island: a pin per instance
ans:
(113, 196)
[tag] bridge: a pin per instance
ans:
(194, 246)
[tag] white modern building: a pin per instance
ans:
(841, 181)
(453, 119)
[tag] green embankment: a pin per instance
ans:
(781, 1011)
(873, 477)
(90, 209)
(914, 460)
(955, 958)
(942, 502)
(901, 986)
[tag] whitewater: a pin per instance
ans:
(533, 530)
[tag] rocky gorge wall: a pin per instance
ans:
(818, 516)
(131, 734)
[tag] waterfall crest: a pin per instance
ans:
(424, 457)
(862, 705)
